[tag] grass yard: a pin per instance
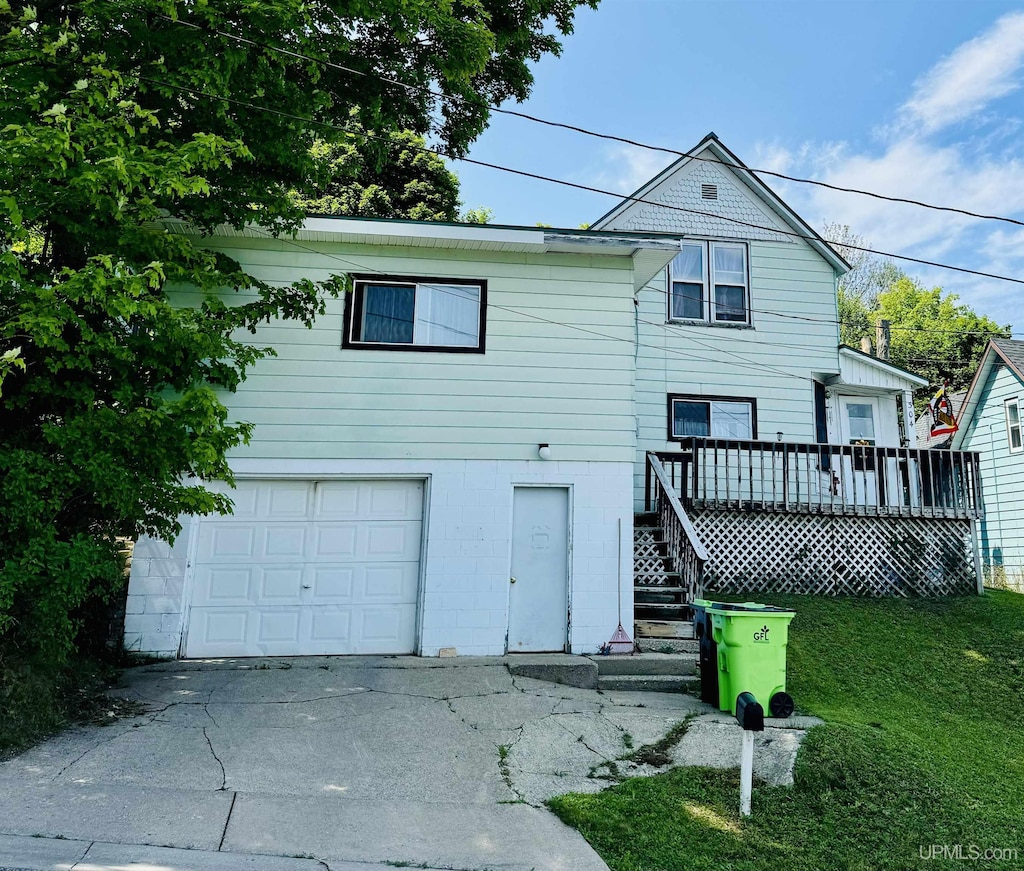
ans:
(924, 744)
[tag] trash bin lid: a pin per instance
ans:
(748, 606)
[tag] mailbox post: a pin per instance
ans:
(750, 716)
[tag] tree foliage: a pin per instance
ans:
(402, 180)
(859, 288)
(129, 130)
(933, 334)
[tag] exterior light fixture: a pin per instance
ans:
(544, 451)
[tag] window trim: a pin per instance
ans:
(354, 311)
(1010, 427)
(708, 304)
(690, 397)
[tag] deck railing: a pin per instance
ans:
(827, 479)
(685, 552)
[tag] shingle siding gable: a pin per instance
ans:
(704, 217)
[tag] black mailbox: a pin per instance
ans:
(749, 713)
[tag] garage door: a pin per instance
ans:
(308, 567)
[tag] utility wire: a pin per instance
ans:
(564, 183)
(584, 131)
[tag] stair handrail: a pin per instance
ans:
(685, 548)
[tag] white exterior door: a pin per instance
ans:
(859, 423)
(538, 609)
(309, 567)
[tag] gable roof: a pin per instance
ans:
(911, 378)
(1010, 353)
(711, 149)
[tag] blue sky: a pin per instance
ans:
(915, 99)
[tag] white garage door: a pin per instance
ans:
(309, 567)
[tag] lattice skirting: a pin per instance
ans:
(839, 556)
(648, 563)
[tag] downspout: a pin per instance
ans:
(995, 492)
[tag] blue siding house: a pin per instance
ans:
(990, 423)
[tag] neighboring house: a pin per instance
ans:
(451, 459)
(990, 423)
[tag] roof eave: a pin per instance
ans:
(885, 365)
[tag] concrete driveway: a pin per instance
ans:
(327, 761)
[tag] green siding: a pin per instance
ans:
(1001, 531)
(793, 299)
(540, 380)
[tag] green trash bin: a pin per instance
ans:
(752, 640)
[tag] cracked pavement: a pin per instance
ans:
(337, 760)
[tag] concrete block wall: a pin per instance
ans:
(153, 612)
(465, 572)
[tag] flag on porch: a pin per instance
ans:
(943, 417)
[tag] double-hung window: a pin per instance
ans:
(708, 282)
(416, 314)
(720, 417)
(1013, 428)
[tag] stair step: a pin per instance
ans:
(653, 588)
(669, 645)
(676, 605)
(647, 664)
(644, 683)
(662, 629)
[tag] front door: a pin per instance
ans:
(538, 607)
(859, 423)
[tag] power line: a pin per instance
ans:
(564, 183)
(586, 132)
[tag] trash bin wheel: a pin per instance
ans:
(781, 705)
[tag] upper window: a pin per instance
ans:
(708, 282)
(1013, 434)
(416, 314)
(720, 417)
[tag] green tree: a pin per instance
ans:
(394, 179)
(933, 334)
(858, 290)
(130, 129)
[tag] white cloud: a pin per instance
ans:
(627, 167)
(972, 76)
(982, 174)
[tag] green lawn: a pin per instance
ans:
(924, 744)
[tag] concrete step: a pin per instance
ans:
(648, 683)
(646, 664)
(669, 645)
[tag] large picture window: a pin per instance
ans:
(720, 417)
(708, 282)
(416, 314)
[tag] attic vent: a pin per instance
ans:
(709, 192)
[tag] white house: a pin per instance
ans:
(444, 461)
(452, 457)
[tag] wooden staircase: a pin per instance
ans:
(660, 606)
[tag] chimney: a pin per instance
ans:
(882, 340)
(865, 345)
